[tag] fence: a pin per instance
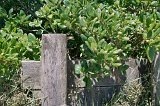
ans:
(53, 79)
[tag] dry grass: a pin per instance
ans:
(131, 95)
(19, 98)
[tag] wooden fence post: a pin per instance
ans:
(54, 70)
(156, 78)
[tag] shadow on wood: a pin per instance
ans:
(34, 73)
(103, 90)
(78, 94)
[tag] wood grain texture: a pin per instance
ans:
(30, 74)
(95, 96)
(54, 70)
(156, 78)
(102, 90)
(105, 88)
(132, 73)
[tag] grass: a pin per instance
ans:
(131, 94)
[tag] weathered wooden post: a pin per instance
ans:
(156, 79)
(54, 70)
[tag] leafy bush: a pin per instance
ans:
(102, 33)
(108, 33)
(15, 45)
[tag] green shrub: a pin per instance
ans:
(102, 33)
(15, 45)
(107, 33)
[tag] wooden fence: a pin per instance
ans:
(53, 79)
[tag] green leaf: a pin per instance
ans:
(31, 37)
(149, 34)
(148, 21)
(123, 69)
(107, 67)
(78, 68)
(29, 49)
(50, 16)
(83, 37)
(82, 21)
(84, 64)
(158, 15)
(35, 23)
(92, 61)
(39, 32)
(156, 33)
(125, 38)
(102, 43)
(88, 81)
(3, 12)
(93, 43)
(154, 3)
(11, 11)
(117, 51)
(116, 64)
(151, 52)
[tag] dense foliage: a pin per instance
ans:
(106, 33)
(102, 33)
(15, 44)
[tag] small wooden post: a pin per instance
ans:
(132, 73)
(54, 70)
